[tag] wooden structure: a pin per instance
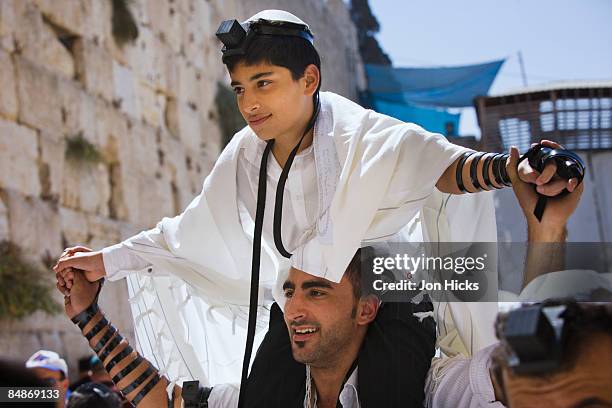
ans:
(578, 116)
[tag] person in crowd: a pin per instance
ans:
(51, 369)
(94, 395)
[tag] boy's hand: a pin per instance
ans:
(559, 209)
(82, 294)
(88, 261)
(547, 183)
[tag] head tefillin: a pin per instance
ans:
(534, 334)
(236, 37)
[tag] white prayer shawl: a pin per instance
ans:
(376, 181)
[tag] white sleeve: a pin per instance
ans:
(119, 259)
(461, 382)
(224, 396)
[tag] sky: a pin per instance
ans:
(560, 40)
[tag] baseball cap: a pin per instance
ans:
(49, 360)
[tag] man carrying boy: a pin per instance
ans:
(355, 176)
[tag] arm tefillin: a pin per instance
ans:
(494, 163)
(94, 325)
(569, 165)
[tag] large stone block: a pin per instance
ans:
(94, 67)
(7, 25)
(75, 228)
(125, 83)
(34, 225)
(124, 192)
(103, 230)
(4, 223)
(99, 26)
(198, 30)
(152, 60)
(139, 149)
(86, 187)
(152, 104)
(8, 96)
(189, 83)
(156, 200)
(78, 110)
(141, 198)
(52, 148)
(111, 126)
(36, 87)
(174, 164)
(167, 22)
(18, 158)
(71, 16)
(184, 123)
(37, 41)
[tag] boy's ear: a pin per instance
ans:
(312, 76)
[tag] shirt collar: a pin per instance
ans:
(348, 396)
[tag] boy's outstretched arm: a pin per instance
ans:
(480, 167)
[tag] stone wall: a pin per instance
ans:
(147, 108)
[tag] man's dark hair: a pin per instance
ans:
(353, 274)
(94, 395)
(293, 53)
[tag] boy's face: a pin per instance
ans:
(270, 100)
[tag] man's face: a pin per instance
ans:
(54, 378)
(586, 385)
(270, 100)
(320, 316)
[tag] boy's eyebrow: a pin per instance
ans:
(288, 285)
(254, 77)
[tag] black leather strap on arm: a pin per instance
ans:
(138, 381)
(145, 390)
(120, 356)
(96, 329)
(474, 171)
(459, 171)
(107, 336)
(127, 370)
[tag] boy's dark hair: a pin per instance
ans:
(292, 53)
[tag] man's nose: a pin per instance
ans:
(294, 309)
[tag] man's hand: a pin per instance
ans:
(82, 294)
(559, 209)
(82, 258)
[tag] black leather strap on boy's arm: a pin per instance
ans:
(497, 162)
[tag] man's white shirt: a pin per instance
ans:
(226, 395)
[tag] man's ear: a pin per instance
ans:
(312, 76)
(367, 309)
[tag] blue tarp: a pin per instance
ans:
(448, 87)
(434, 120)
